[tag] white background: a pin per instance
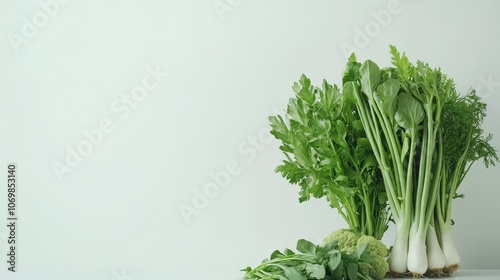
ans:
(116, 214)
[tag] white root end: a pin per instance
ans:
(417, 254)
(451, 269)
(435, 256)
(399, 254)
(416, 275)
(451, 254)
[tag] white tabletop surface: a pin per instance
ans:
(477, 274)
(472, 274)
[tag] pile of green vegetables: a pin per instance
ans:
(343, 254)
(313, 262)
(392, 144)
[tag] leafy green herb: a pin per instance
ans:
(328, 154)
(311, 262)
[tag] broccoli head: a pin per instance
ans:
(375, 252)
(346, 239)
(374, 246)
(377, 268)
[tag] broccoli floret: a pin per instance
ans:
(377, 269)
(377, 253)
(346, 239)
(374, 246)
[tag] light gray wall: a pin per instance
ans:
(115, 211)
